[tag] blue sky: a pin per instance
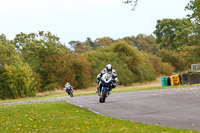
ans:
(79, 19)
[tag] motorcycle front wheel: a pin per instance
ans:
(103, 97)
(71, 94)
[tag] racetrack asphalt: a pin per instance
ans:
(177, 107)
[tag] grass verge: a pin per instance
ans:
(56, 117)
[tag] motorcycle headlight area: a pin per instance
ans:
(106, 84)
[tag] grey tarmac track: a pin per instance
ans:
(177, 107)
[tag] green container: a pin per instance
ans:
(163, 81)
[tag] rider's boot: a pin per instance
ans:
(110, 89)
(98, 90)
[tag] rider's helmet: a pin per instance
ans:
(67, 84)
(109, 68)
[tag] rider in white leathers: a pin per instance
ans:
(109, 70)
(68, 87)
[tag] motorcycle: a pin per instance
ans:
(69, 92)
(106, 84)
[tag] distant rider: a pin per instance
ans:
(109, 69)
(68, 88)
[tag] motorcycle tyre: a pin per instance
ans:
(71, 94)
(102, 100)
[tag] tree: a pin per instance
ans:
(174, 33)
(104, 42)
(100, 58)
(132, 2)
(82, 71)
(194, 6)
(160, 67)
(142, 42)
(129, 40)
(129, 63)
(16, 77)
(35, 48)
(82, 47)
(174, 58)
(68, 68)
(90, 43)
(79, 47)
(146, 43)
(3, 39)
(59, 69)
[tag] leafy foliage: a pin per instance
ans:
(52, 86)
(41, 60)
(132, 2)
(132, 66)
(173, 33)
(175, 59)
(194, 6)
(160, 67)
(167, 69)
(193, 56)
(89, 45)
(82, 71)
(16, 77)
(104, 42)
(68, 68)
(59, 69)
(130, 55)
(100, 59)
(35, 48)
(143, 43)
(80, 47)
(146, 43)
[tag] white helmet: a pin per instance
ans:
(67, 84)
(109, 68)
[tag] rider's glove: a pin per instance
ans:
(98, 78)
(115, 80)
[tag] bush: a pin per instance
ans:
(166, 69)
(136, 61)
(130, 55)
(159, 66)
(126, 60)
(17, 81)
(175, 59)
(67, 68)
(52, 86)
(100, 59)
(82, 71)
(16, 77)
(143, 72)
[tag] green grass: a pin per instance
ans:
(60, 117)
(89, 93)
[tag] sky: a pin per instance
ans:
(75, 20)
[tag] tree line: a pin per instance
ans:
(38, 62)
